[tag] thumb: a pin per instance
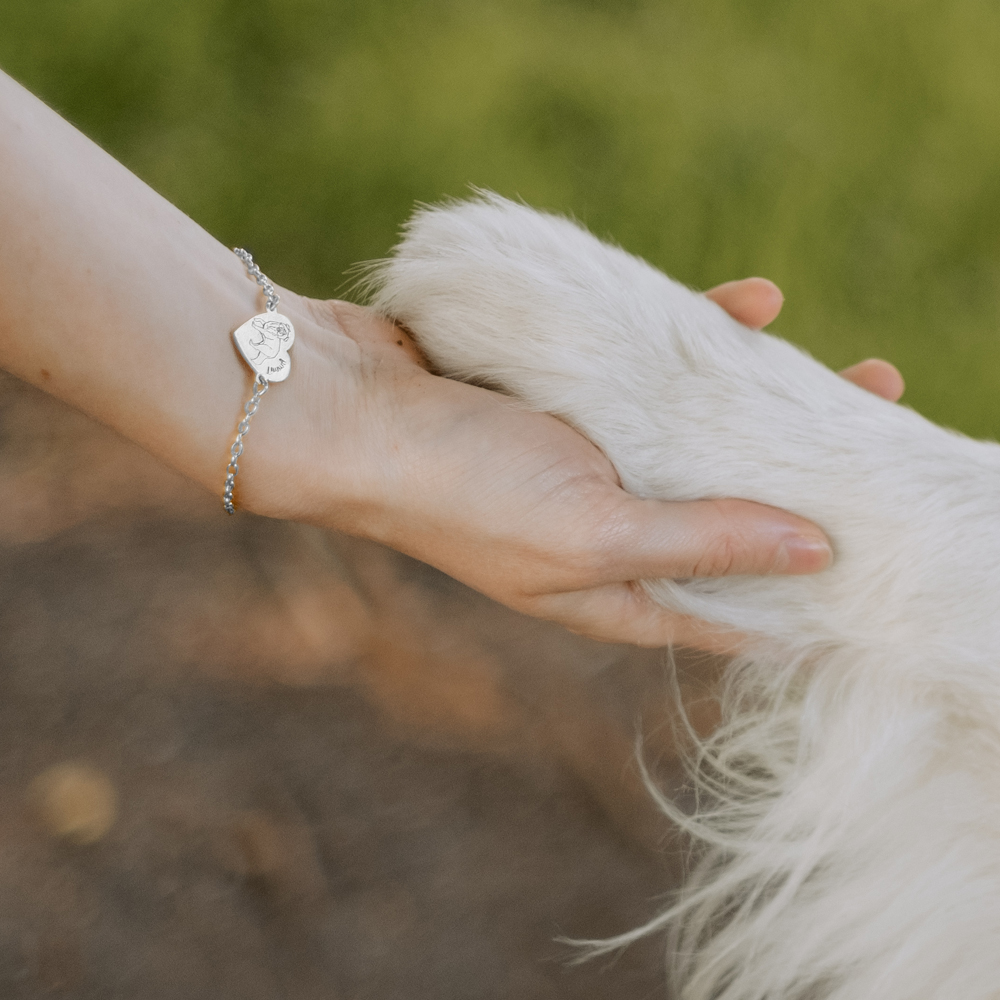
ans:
(657, 538)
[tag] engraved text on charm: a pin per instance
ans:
(264, 341)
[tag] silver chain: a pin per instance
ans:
(260, 385)
(255, 272)
(249, 408)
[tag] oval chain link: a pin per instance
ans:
(260, 386)
(255, 272)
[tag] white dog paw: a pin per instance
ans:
(850, 811)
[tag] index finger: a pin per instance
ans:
(654, 538)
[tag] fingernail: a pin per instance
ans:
(803, 554)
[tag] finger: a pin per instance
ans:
(653, 538)
(877, 376)
(623, 612)
(753, 301)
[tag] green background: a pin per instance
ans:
(848, 150)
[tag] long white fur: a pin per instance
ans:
(850, 802)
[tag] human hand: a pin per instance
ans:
(756, 302)
(363, 438)
(511, 502)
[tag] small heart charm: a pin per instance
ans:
(264, 341)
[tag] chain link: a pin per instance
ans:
(249, 408)
(260, 385)
(255, 272)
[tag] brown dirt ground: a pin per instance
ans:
(334, 772)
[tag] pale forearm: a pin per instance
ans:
(114, 301)
(111, 298)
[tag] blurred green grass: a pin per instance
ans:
(849, 150)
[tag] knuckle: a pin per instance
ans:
(722, 555)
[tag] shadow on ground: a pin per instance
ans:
(333, 771)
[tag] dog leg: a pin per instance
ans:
(849, 808)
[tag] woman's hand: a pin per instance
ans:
(513, 503)
(115, 302)
(756, 302)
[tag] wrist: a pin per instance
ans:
(305, 458)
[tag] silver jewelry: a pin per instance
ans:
(263, 342)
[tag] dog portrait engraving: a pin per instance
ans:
(264, 341)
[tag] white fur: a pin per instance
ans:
(850, 803)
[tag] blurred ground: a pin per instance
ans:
(337, 773)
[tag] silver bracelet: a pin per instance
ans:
(263, 342)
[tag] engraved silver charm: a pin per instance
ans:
(264, 341)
